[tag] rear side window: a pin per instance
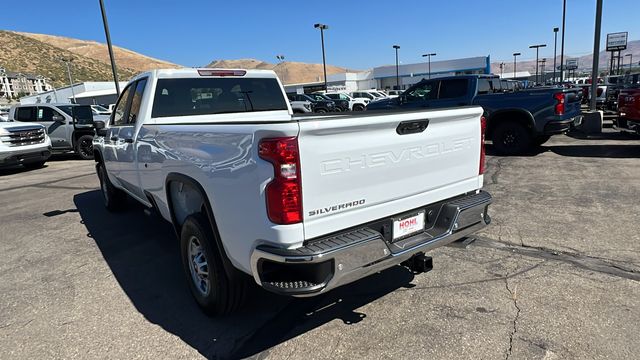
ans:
(136, 101)
(119, 111)
(454, 88)
(426, 90)
(483, 86)
(203, 96)
(26, 113)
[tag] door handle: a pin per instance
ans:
(412, 127)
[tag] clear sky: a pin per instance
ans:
(361, 33)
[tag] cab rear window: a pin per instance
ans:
(204, 96)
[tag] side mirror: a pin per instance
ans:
(100, 127)
(58, 118)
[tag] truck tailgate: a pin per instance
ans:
(357, 169)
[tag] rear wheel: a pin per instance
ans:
(358, 107)
(321, 111)
(209, 283)
(511, 138)
(84, 147)
(114, 199)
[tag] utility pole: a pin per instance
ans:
(514, 64)
(596, 55)
(111, 57)
(429, 56)
(67, 61)
(555, 46)
(501, 69)
(564, 15)
(322, 28)
(397, 68)
(537, 47)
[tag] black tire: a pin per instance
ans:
(214, 292)
(539, 140)
(358, 107)
(114, 199)
(34, 165)
(321, 111)
(511, 138)
(84, 147)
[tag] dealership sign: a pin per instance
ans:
(617, 41)
(572, 64)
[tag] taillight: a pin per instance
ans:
(284, 192)
(483, 130)
(560, 103)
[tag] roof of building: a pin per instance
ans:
(94, 93)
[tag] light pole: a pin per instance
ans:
(429, 61)
(67, 61)
(630, 61)
(322, 28)
(501, 68)
(555, 46)
(537, 47)
(397, 68)
(111, 57)
(514, 64)
(596, 55)
(543, 62)
(564, 15)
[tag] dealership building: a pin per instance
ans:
(384, 77)
(85, 93)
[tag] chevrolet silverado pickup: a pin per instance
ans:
(301, 204)
(516, 120)
(25, 144)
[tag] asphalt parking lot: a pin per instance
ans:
(556, 275)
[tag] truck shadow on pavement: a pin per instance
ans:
(143, 254)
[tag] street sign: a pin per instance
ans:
(617, 41)
(572, 64)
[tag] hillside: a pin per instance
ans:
(27, 55)
(584, 62)
(288, 71)
(98, 51)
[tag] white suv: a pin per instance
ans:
(372, 95)
(355, 104)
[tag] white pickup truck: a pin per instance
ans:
(302, 204)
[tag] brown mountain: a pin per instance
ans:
(288, 71)
(19, 53)
(98, 51)
(39, 54)
(585, 62)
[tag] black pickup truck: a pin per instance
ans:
(516, 119)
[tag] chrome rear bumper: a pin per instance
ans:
(326, 263)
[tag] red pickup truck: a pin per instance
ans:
(629, 110)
